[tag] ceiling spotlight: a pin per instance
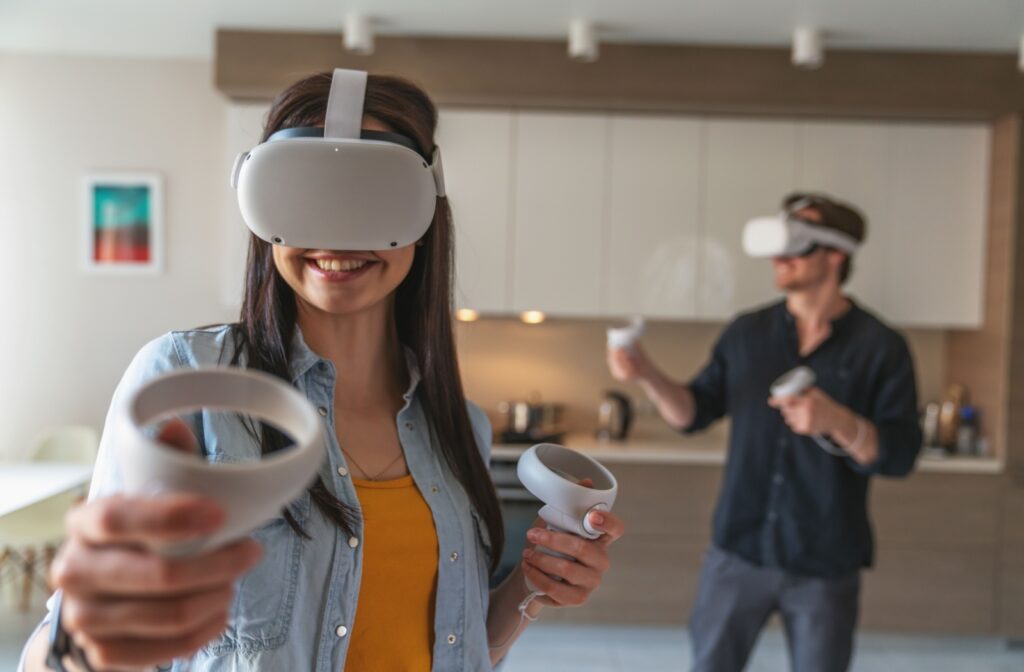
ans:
(808, 48)
(583, 41)
(358, 34)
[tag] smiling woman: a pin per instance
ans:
(384, 563)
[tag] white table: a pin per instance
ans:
(23, 484)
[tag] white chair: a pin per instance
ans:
(40, 526)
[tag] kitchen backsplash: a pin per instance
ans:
(564, 361)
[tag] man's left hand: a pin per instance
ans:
(813, 413)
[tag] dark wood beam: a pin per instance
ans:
(253, 65)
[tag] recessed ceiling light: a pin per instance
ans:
(532, 317)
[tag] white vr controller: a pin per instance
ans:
(553, 474)
(626, 337)
(250, 493)
(794, 383)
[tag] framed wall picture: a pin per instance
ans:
(122, 228)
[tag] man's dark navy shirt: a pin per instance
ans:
(785, 502)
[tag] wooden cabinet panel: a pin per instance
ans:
(937, 511)
(654, 210)
(561, 180)
(476, 148)
(930, 591)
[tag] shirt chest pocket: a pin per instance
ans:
(261, 612)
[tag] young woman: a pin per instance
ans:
(384, 563)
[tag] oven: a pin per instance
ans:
(518, 511)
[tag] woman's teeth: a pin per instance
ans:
(341, 264)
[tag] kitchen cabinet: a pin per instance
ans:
(934, 270)
(750, 166)
(936, 561)
(560, 205)
(849, 161)
(655, 192)
(607, 216)
(476, 149)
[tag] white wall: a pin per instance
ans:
(66, 336)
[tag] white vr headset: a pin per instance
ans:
(786, 235)
(339, 187)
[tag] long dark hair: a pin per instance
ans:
(422, 304)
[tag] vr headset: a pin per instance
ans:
(786, 235)
(338, 187)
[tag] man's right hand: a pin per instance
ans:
(130, 608)
(629, 365)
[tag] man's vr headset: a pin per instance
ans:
(338, 187)
(786, 235)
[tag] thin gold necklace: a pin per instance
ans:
(375, 477)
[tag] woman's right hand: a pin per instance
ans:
(130, 608)
(628, 364)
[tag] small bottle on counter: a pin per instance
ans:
(967, 431)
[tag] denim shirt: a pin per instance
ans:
(295, 610)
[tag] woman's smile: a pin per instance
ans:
(339, 267)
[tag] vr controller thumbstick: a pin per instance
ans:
(553, 474)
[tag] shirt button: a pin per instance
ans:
(434, 489)
(342, 471)
(353, 542)
(455, 556)
(778, 479)
(772, 516)
(341, 631)
(322, 411)
(782, 441)
(410, 426)
(452, 639)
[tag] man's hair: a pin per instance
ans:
(835, 215)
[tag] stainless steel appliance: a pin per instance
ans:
(518, 510)
(614, 416)
(531, 421)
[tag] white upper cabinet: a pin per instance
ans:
(476, 152)
(750, 166)
(560, 232)
(850, 161)
(936, 243)
(655, 212)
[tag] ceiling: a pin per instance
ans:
(185, 28)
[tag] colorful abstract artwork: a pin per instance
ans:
(123, 229)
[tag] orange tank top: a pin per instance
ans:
(394, 623)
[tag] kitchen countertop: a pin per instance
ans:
(710, 451)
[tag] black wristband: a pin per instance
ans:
(61, 644)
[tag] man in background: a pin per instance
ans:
(791, 529)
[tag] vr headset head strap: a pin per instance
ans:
(345, 104)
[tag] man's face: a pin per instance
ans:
(794, 274)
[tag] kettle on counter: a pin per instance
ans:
(614, 416)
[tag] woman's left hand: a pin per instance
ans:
(580, 578)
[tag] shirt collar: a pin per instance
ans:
(301, 359)
(838, 323)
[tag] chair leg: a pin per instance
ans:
(29, 572)
(49, 553)
(5, 557)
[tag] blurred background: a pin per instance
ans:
(601, 158)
